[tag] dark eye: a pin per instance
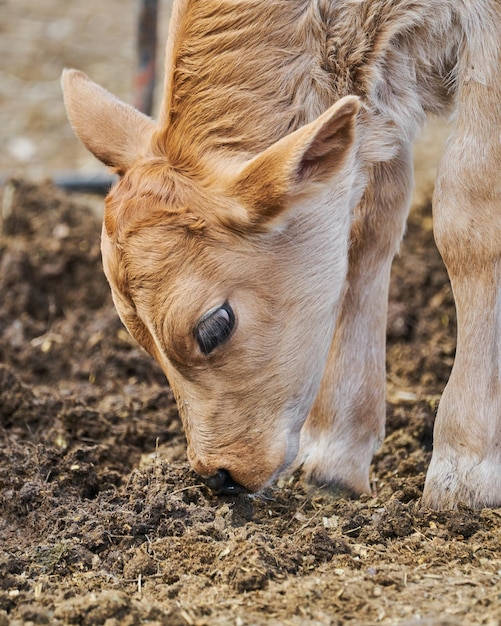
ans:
(214, 328)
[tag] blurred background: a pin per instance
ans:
(38, 39)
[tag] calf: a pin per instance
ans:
(249, 240)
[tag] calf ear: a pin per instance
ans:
(294, 165)
(115, 132)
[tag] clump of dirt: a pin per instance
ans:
(103, 522)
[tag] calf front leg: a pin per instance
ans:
(466, 461)
(346, 424)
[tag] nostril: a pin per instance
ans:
(224, 483)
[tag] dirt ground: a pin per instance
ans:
(101, 519)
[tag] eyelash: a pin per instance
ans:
(215, 328)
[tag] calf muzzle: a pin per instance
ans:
(223, 483)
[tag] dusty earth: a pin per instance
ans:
(101, 519)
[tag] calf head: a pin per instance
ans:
(228, 271)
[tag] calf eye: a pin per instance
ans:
(214, 328)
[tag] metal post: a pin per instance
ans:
(144, 82)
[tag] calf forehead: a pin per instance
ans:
(153, 192)
(181, 273)
(165, 224)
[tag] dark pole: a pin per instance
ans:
(144, 82)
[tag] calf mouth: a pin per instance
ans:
(223, 483)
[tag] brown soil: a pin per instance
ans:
(101, 519)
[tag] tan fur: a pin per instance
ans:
(277, 180)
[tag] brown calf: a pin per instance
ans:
(249, 241)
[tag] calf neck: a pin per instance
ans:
(249, 240)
